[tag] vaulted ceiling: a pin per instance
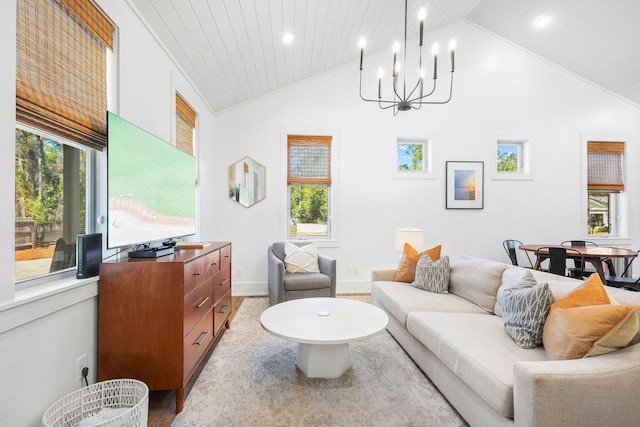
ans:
(232, 50)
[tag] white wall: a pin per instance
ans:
(41, 337)
(499, 89)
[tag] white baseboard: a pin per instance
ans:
(252, 289)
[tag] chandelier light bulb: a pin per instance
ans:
(363, 43)
(396, 47)
(422, 14)
(380, 72)
(435, 49)
(452, 44)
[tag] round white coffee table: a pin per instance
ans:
(323, 329)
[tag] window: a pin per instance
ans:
(61, 102)
(413, 158)
(309, 186)
(51, 200)
(185, 125)
(512, 159)
(605, 187)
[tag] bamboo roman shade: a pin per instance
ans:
(309, 160)
(605, 166)
(61, 71)
(185, 125)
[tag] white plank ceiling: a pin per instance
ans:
(232, 50)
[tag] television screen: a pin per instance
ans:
(151, 186)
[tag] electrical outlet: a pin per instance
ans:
(81, 362)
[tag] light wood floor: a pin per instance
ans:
(162, 404)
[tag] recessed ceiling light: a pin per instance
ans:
(288, 38)
(541, 22)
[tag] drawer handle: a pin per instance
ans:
(224, 309)
(224, 282)
(202, 303)
(197, 273)
(226, 256)
(203, 336)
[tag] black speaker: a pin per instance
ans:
(89, 255)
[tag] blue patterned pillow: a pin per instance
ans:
(432, 276)
(524, 311)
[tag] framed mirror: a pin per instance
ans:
(247, 182)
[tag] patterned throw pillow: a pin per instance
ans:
(301, 259)
(524, 311)
(432, 276)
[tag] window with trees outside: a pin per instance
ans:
(61, 103)
(605, 187)
(309, 186)
(513, 159)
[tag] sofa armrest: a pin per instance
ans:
(600, 390)
(383, 275)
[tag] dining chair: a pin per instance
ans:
(586, 272)
(557, 257)
(622, 281)
(510, 248)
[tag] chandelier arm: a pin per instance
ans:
(433, 89)
(441, 102)
(371, 100)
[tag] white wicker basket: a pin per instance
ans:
(87, 404)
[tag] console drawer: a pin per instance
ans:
(195, 274)
(221, 283)
(225, 257)
(222, 311)
(213, 263)
(196, 305)
(197, 343)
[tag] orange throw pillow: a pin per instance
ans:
(406, 271)
(585, 323)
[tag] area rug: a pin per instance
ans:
(251, 380)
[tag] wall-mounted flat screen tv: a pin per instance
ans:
(151, 186)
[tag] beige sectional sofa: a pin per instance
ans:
(461, 345)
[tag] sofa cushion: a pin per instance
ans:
(585, 323)
(432, 276)
(399, 299)
(406, 270)
(525, 310)
(477, 349)
(476, 279)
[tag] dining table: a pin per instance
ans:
(595, 255)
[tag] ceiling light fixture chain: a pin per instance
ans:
(406, 102)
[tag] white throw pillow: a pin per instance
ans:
(301, 259)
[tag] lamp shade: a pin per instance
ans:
(412, 236)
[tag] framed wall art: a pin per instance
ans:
(465, 185)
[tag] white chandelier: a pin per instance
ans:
(416, 97)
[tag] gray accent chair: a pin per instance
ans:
(284, 286)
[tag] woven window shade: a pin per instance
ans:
(185, 125)
(61, 79)
(309, 160)
(605, 161)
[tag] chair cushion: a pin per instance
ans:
(306, 281)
